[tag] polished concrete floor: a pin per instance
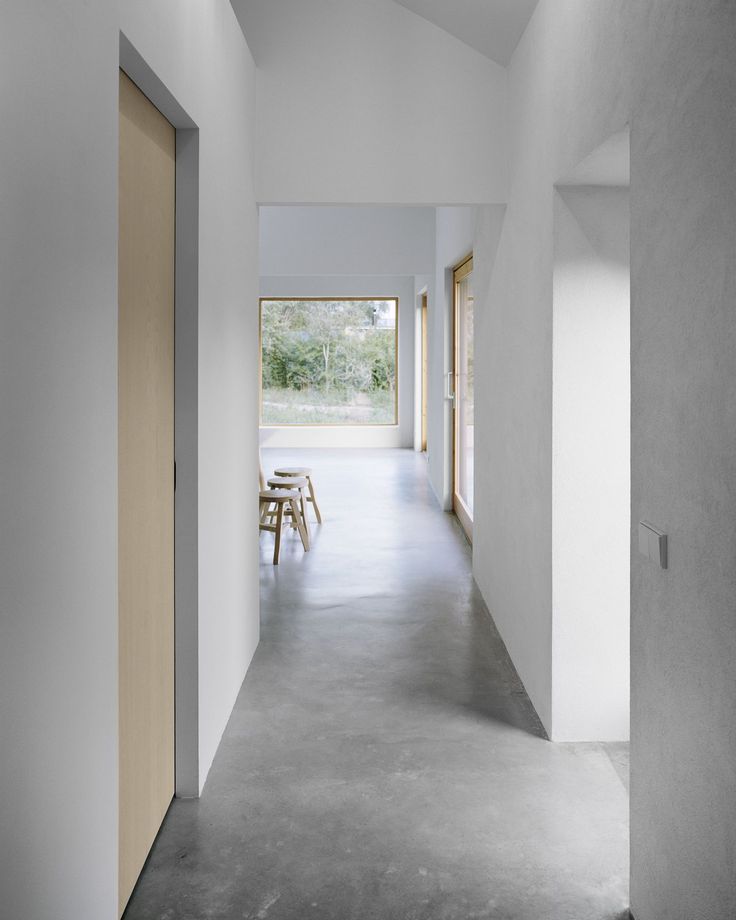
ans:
(383, 761)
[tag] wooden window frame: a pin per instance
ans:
(462, 512)
(327, 299)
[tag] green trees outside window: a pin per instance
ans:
(328, 361)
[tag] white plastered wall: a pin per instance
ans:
(591, 485)
(351, 97)
(58, 421)
(556, 116)
(346, 240)
(583, 70)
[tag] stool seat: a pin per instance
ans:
(288, 482)
(293, 471)
(276, 495)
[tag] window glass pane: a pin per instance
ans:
(328, 362)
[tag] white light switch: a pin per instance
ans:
(653, 543)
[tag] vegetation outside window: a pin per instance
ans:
(328, 361)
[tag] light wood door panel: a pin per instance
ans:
(463, 414)
(145, 476)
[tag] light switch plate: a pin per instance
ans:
(653, 543)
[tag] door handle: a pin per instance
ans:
(450, 386)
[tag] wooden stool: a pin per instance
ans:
(281, 498)
(302, 471)
(295, 484)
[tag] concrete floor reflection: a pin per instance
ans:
(383, 761)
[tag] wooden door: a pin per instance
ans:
(145, 477)
(424, 371)
(464, 409)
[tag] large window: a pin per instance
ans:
(329, 362)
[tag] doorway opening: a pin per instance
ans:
(163, 243)
(591, 450)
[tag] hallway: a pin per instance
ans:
(383, 761)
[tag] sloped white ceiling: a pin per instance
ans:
(492, 27)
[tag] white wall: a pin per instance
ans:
(219, 94)
(560, 109)
(683, 638)
(346, 241)
(363, 101)
(401, 435)
(58, 421)
(583, 70)
(591, 451)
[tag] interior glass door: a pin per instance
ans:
(464, 396)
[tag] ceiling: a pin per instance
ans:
(492, 27)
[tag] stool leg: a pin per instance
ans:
(305, 518)
(300, 525)
(279, 523)
(314, 500)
